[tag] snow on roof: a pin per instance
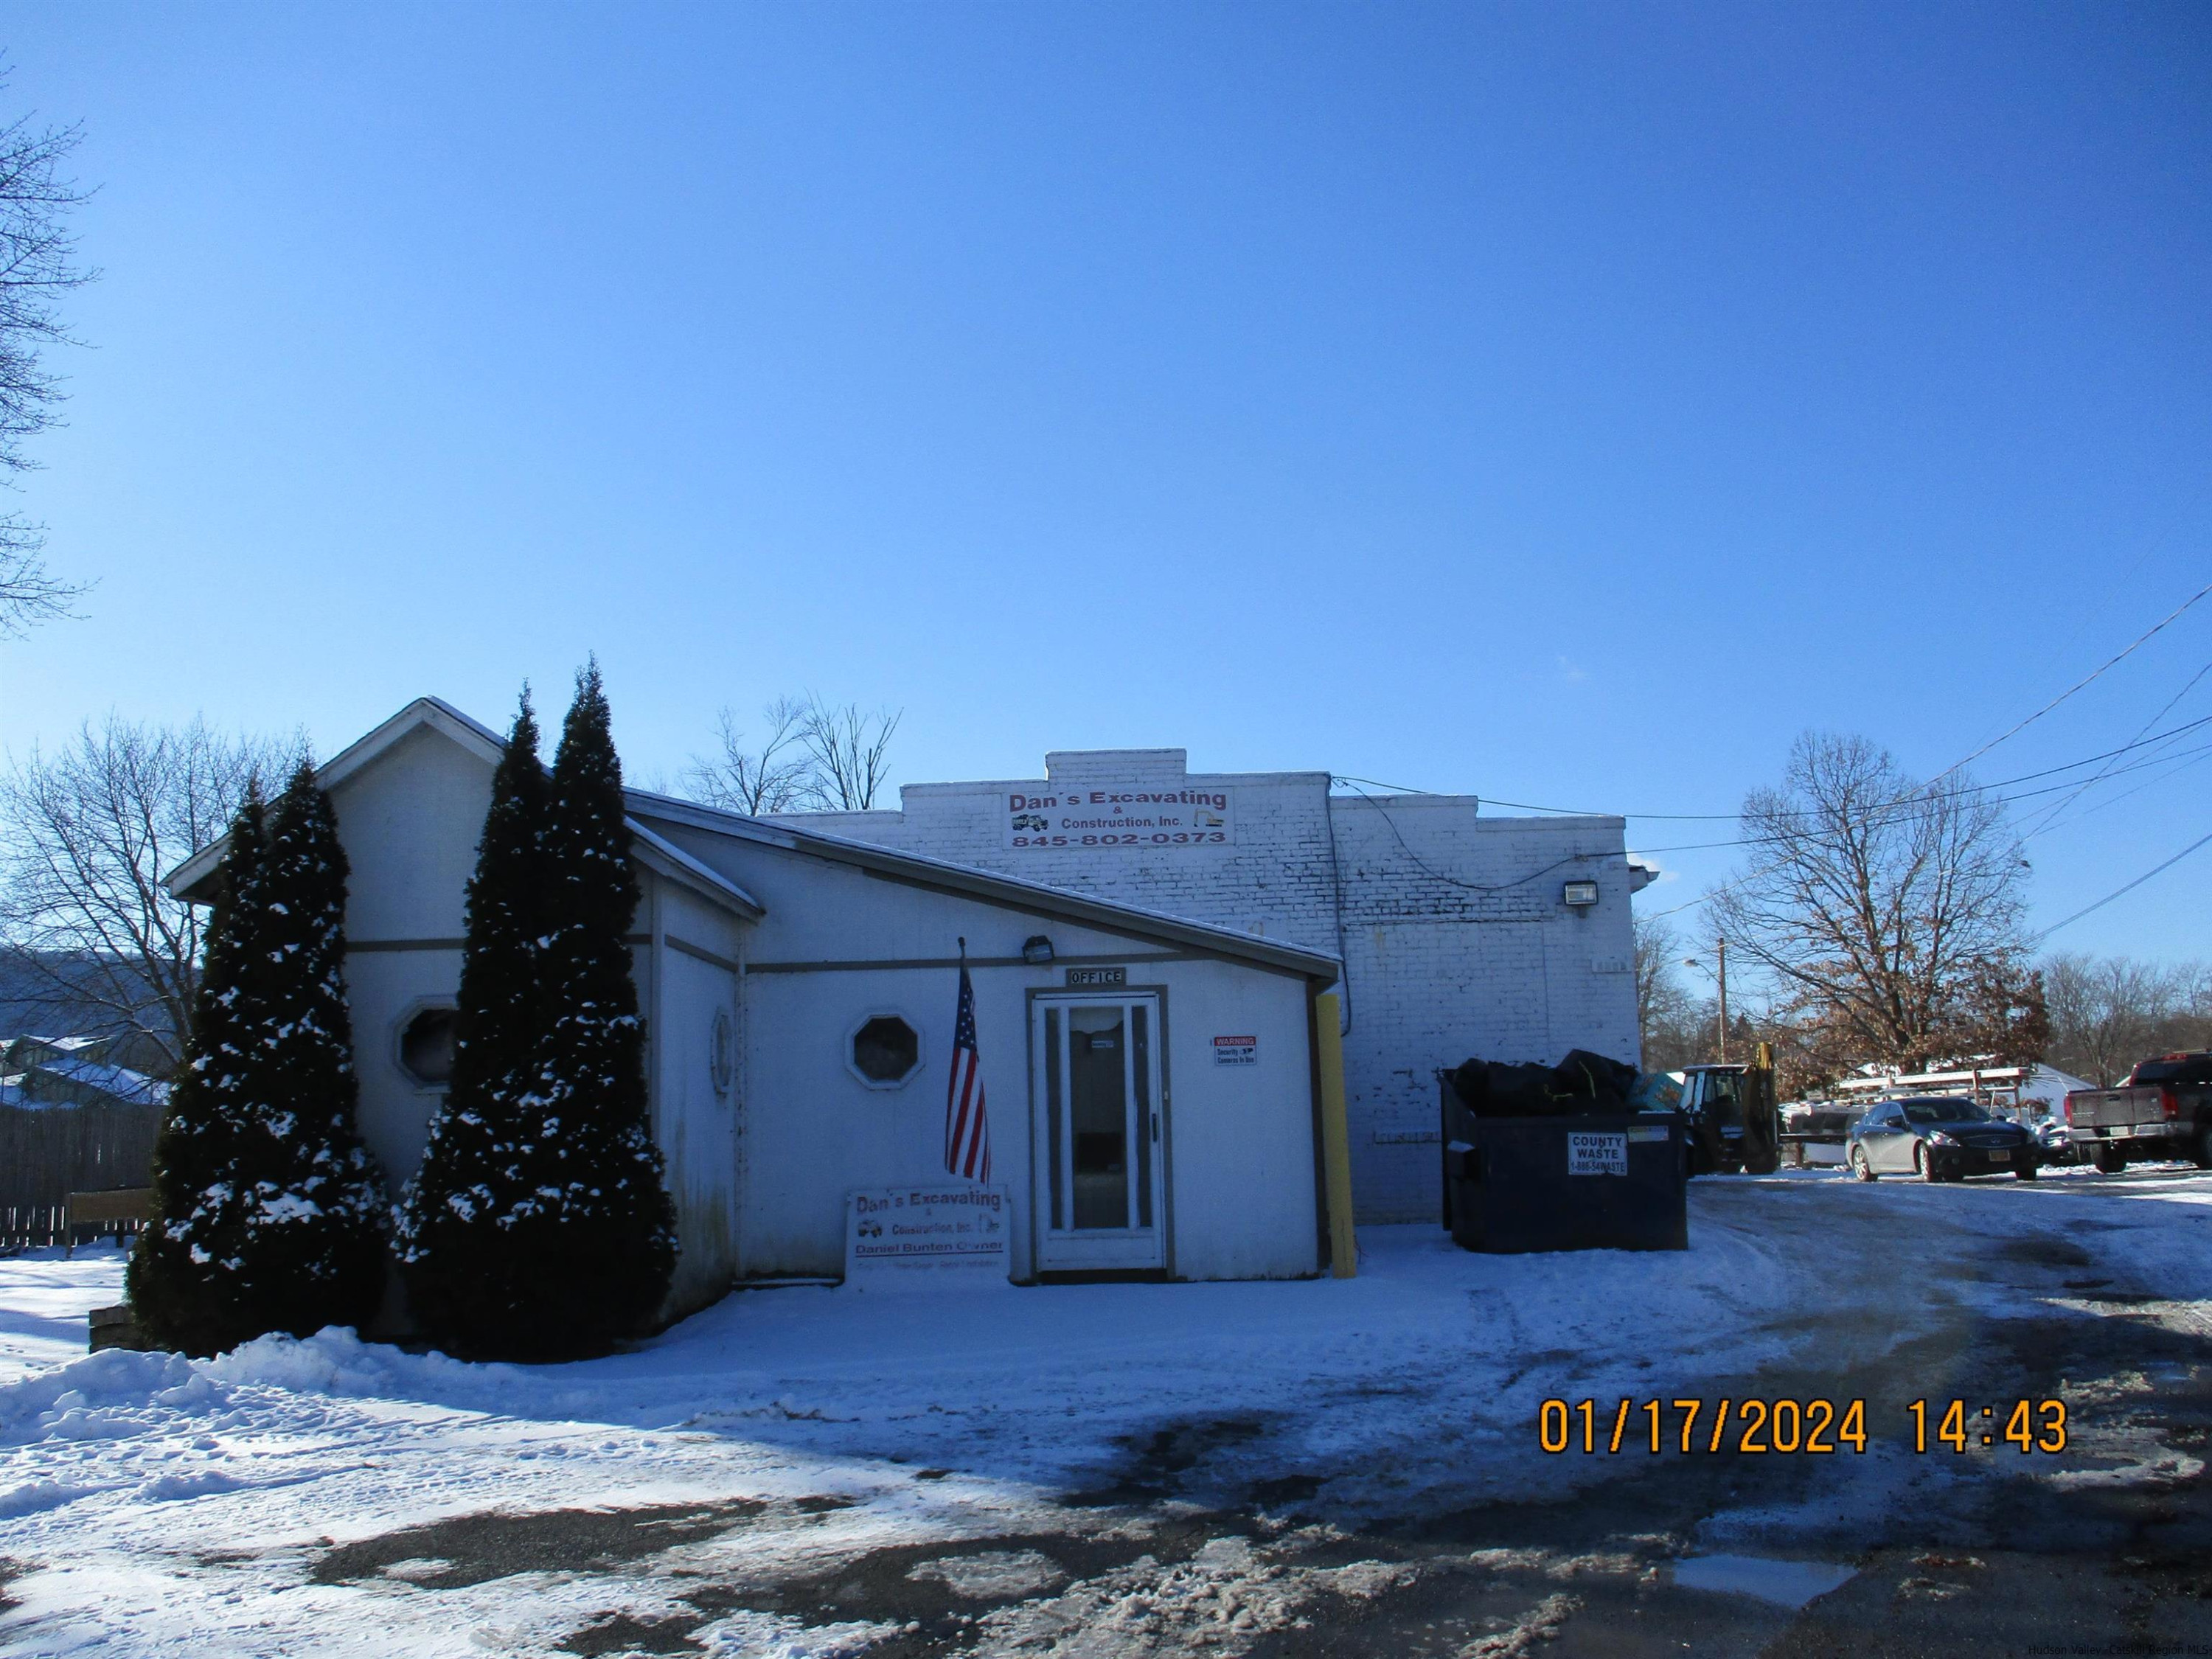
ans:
(134, 1088)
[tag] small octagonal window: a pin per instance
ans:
(426, 1047)
(884, 1051)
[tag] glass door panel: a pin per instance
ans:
(1097, 1138)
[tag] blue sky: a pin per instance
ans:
(1568, 404)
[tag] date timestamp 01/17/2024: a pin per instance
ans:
(1813, 1427)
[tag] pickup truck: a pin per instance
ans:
(2164, 1109)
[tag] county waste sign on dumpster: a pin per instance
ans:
(1597, 1152)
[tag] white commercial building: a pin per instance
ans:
(1153, 1082)
(1460, 934)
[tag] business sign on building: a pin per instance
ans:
(926, 1233)
(1119, 816)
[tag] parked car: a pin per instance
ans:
(1939, 1138)
(2164, 1109)
(2058, 1143)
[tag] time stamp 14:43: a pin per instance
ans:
(1812, 1427)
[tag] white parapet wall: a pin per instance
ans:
(1452, 924)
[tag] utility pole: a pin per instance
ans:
(1720, 947)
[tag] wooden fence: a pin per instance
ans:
(36, 1227)
(48, 1152)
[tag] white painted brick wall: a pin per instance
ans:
(1437, 970)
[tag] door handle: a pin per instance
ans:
(1156, 1125)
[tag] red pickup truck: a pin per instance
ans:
(2164, 1109)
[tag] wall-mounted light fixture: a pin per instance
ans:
(1037, 950)
(1579, 894)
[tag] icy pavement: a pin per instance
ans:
(1109, 1469)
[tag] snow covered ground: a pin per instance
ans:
(249, 1505)
(44, 1299)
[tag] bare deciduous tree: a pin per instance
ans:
(1666, 1013)
(2108, 1013)
(37, 266)
(816, 757)
(772, 777)
(849, 753)
(86, 835)
(1888, 915)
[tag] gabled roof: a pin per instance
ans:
(672, 863)
(911, 869)
(1012, 893)
(432, 712)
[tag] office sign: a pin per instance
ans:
(1079, 977)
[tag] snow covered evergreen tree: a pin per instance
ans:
(539, 1226)
(267, 1206)
(315, 1251)
(183, 1277)
(468, 1262)
(614, 1251)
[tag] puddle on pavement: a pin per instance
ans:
(1767, 1578)
(474, 1549)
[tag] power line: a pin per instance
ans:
(2077, 686)
(2139, 742)
(2091, 783)
(2130, 888)
(1919, 795)
(2114, 800)
(1904, 803)
(1454, 881)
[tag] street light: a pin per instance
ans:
(1720, 949)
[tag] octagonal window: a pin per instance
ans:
(886, 1051)
(426, 1047)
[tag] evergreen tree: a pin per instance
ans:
(267, 1206)
(613, 1251)
(539, 1226)
(183, 1277)
(469, 1272)
(315, 1227)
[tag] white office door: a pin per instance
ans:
(1096, 1138)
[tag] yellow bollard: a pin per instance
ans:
(1335, 1142)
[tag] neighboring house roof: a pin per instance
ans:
(913, 869)
(63, 1083)
(134, 1088)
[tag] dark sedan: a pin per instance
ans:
(1940, 1139)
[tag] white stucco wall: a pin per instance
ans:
(760, 1172)
(1437, 967)
(838, 944)
(410, 821)
(694, 1126)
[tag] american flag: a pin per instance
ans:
(967, 1130)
